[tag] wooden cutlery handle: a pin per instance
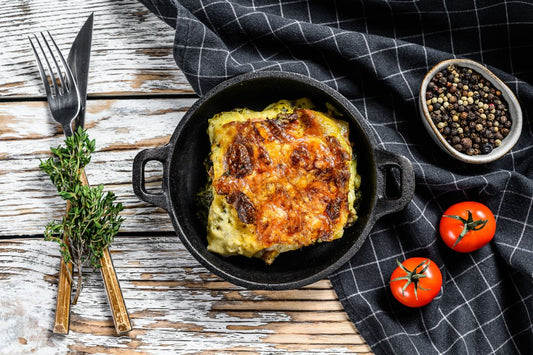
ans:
(115, 299)
(121, 318)
(64, 288)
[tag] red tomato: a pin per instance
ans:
(416, 282)
(467, 226)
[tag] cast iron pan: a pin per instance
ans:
(184, 174)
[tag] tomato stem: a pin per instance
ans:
(413, 276)
(468, 225)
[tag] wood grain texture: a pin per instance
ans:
(175, 306)
(115, 299)
(121, 129)
(131, 48)
(174, 303)
(64, 291)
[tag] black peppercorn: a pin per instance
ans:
(486, 148)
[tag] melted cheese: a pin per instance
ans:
(282, 178)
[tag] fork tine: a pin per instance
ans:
(52, 77)
(41, 69)
(70, 78)
(54, 58)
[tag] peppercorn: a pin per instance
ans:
(486, 148)
(466, 143)
(469, 112)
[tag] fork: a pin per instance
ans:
(64, 103)
(64, 100)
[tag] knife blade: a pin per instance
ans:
(78, 61)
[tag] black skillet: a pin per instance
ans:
(184, 174)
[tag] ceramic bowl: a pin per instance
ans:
(515, 113)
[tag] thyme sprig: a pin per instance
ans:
(92, 219)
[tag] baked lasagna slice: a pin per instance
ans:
(282, 178)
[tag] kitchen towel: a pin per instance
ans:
(376, 52)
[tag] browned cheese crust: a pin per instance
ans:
(287, 179)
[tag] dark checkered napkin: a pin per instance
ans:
(376, 52)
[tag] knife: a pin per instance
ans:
(78, 61)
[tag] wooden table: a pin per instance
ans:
(137, 95)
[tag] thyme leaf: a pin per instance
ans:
(92, 219)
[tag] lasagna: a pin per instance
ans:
(280, 179)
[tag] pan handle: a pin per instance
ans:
(386, 162)
(160, 154)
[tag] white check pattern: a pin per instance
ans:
(376, 53)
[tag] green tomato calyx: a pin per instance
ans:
(468, 225)
(413, 276)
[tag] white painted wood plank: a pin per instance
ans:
(131, 48)
(190, 317)
(121, 129)
(175, 304)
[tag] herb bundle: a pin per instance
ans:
(92, 218)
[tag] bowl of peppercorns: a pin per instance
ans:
(469, 112)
